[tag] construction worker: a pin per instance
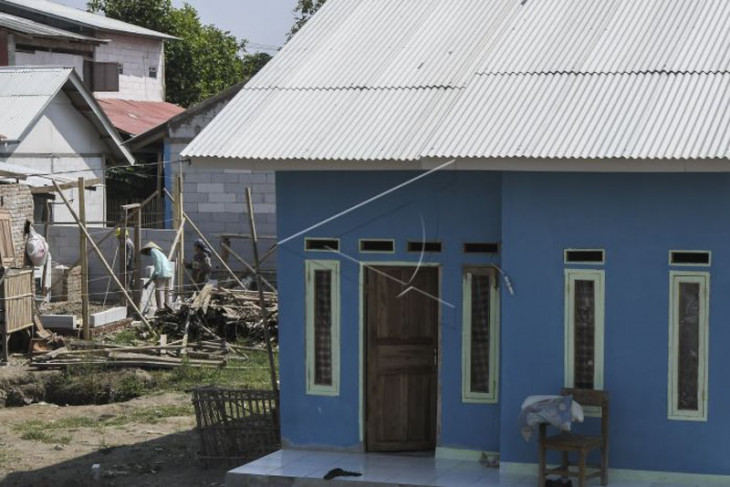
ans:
(201, 265)
(161, 275)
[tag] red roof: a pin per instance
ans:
(137, 117)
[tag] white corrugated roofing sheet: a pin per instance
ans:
(24, 93)
(81, 17)
(408, 79)
(589, 116)
(25, 26)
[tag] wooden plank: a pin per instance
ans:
(7, 248)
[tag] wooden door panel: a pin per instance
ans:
(401, 343)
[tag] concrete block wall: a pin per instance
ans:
(136, 54)
(215, 199)
(63, 241)
(17, 199)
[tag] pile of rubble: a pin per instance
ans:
(197, 333)
(216, 313)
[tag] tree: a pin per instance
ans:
(303, 12)
(204, 61)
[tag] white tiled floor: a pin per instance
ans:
(306, 466)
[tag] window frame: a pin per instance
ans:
(311, 266)
(467, 395)
(673, 412)
(598, 276)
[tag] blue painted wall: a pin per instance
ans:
(455, 207)
(637, 218)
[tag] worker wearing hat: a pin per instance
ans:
(162, 273)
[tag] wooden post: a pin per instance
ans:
(83, 234)
(44, 278)
(102, 259)
(138, 257)
(124, 234)
(260, 286)
(160, 206)
(180, 271)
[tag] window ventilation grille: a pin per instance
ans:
(424, 246)
(374, 245)
(322, 244)
(677, 257)
(481, 248)
(585, 256)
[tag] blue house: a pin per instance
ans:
(482, 200)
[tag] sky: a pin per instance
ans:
(264, 23)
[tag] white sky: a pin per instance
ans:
(262, 22)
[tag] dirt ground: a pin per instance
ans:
(148, 441)
(140, 452)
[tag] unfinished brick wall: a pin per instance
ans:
(18, 200)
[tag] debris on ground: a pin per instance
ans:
(197, 333)
(219, 313)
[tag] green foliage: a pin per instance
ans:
(302, 12)
(202, 62)
(36, 430)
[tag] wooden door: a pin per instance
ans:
(401, 357)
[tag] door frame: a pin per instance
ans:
(362, 331)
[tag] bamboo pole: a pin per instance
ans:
(262, 299)
(176, 241)
(83, 235)
(102, 259)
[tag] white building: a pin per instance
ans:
(51, 125)
(115, 59)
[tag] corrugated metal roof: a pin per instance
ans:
(35, 29)
(24, 93)
(81, 17)
(320, 124)
(399, 44)
(614, 36)
(136, 117)
(516, 78)
(590, 116)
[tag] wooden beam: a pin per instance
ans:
(85, 315)
(71, 185)
(104, 262)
